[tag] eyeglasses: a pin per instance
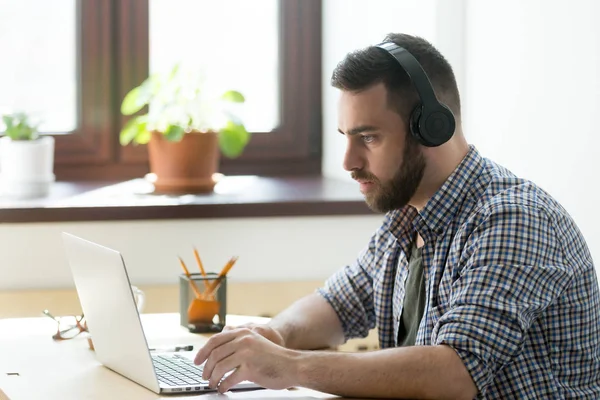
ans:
(68, 327)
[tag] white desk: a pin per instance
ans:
(68, 369)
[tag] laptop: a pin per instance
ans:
(114, 323)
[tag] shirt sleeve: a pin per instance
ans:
(350, 293)
(511, 269)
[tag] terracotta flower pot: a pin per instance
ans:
(187, 166)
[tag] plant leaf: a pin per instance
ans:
(233, 139)
(174, 71)
(234, 96)
(8, 121)
(143, 136)
(135, 100)
(133, 129)
(174, 133)
(18, 127)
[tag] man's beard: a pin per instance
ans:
(397, 192)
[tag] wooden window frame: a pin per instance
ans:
(113, 57)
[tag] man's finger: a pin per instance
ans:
(233, 379)
(215, 357)
(217, 340)
(221, 368)
(245, 325)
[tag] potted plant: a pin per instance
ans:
(188, 124)
(26, 158)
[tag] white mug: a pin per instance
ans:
(140, 298)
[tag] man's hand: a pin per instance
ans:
(263, 330)
(251, 356)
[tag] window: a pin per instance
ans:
(245, 57)
(48, 93)
(83, 56)
(89, 141)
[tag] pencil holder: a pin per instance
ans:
(208, 312)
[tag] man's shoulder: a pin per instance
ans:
(510, 211)
(521, 222)
(501, 191)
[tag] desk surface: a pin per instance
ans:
(33, 366)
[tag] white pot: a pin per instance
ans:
(26, 167)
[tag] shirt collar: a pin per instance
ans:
(399, 222)
(441, 209)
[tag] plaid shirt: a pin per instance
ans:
(510, 283)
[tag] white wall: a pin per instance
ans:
(352, 24)
(270, 249)
(532, 97)
(529, 75)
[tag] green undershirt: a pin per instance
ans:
(414, 300)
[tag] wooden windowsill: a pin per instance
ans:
(236, 196)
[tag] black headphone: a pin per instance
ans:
(431, 122)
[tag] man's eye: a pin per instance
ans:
(368, 138)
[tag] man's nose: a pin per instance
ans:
(353, 160)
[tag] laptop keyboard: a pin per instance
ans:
(176, 370)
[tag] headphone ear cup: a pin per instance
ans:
(413, 123)
(436, 126)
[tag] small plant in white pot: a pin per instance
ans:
(26, 159)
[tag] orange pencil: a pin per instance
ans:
(201, 268)
(187, 273)
(222, 274)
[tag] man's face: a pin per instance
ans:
(381, 155)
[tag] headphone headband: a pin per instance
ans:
(415, 72)
(431, 122)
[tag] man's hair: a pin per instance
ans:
(367, 67)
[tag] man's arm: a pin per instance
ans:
(310, 323)
(416, 372)
(430, 372)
